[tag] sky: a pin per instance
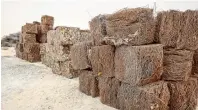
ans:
(75, 13)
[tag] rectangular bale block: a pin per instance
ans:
(108, 88)
(102, 60)
(195, 64)
(67, 35)
(31, 57)
(47, 20)
(88, 83)
(179, 29)
(133, 26)
(32, 48)
(139, 65)
(51, 36)
(154, 96)
(30, 28)
(177, 64)
(79, 55)
(85, 36)
(43, 38)
(183, 94)
(98, 28)
(29, 38)
(64, 68)
(24, 56)
(61, 52)
(56, 68)
(67, 70)
(47, 59)
(43, 47)
(45, 28)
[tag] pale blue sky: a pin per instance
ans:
(15, 13)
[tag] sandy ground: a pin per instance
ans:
(32, 86)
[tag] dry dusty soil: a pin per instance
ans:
(32, 86)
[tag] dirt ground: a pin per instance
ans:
(32, 86)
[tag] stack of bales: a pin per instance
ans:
(125, 66)
(28, 47)
(178, 32)
(47, 23)
(56, 52)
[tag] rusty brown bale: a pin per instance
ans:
(79, 55)
(195, 64)
(139, 65)
(108, 88)
(179, 29)
(88, 83)
(102, 60)
(45, 28)
(28, 38)
(133, 26)
(30, 28)
(154, 96)
(177, 64)
(47, 20)
(98, 28)
(183, 94)
(32, 48)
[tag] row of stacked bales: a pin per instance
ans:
(56, 53)
(178, 32)
(32, 35)
(125, 67)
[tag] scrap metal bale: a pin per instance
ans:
(36, 22)
(85, 36)
(32, 57)
(79, 55)
(67, 70)
(43, 38)
(47, 59)
(179, 29)
(177, 64)
(64, 68)
(29, 38)
(183, 94)
(108, 88)
(24, 56)
(32, 48)
(88, 83)
(102, 60)
(51, 36)
(45, 28)
(47, 20)
(154, 96)
(139, 65)
(98, 28)
(43, 47)
(195, 64)
(30, 28)
(67, 35)
(134, 26)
